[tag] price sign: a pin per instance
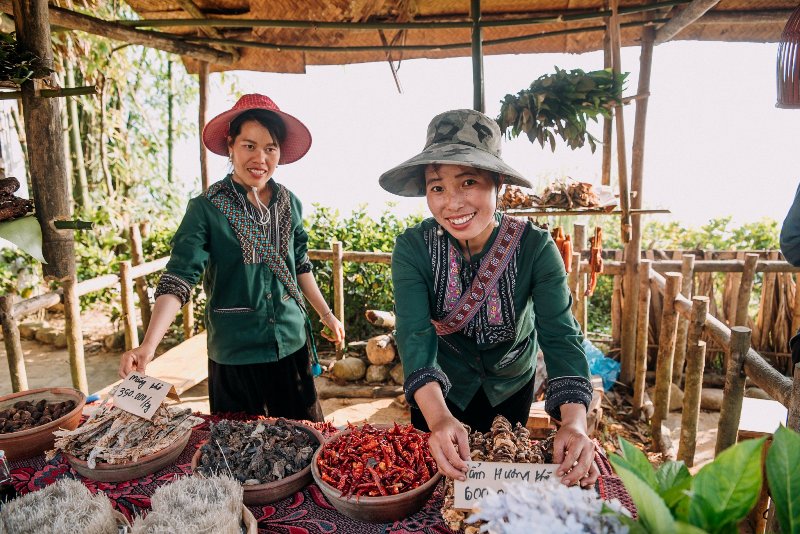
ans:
(141, 394)
(483, 476)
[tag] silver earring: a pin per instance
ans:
(440, 231)
(496, 223)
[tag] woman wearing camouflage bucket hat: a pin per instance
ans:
(476, 293)
(244, 237)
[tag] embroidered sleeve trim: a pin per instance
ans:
(423, 376)
(567, 390)
(304, 265)
(170, 284)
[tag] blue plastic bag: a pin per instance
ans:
(605, 368)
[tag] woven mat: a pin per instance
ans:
(306, 512)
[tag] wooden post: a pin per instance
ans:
(731, 410)
(572, 280)
(607, 124)
(128, 309)
(796, 305)
(188, 319)
(642, 336)
(687, 272)
(477, 57)
(745, 289)
(16, 361)
(695, 366)
(81, 190)
(43, 124)
(202, 109)
(74, 334)
(793, 421)
(666, 351)
(619, 122)
(137, 258)
(616, 305)
(338, 284)
(579, 244)
(690, 416)
(630, 305)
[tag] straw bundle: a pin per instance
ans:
(63, 507)
(195, 504)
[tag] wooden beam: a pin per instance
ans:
(112, 30)
(688, 15)
(191, 8)
(478, 103)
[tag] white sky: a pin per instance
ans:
(716, 144)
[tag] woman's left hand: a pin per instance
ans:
(573, 449)
(334, 330)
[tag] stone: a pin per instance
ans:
(349, 369)
(60, 342)
(28, 330)
(397, 374)
(381, 350)
(757, 393)
(46, 335)
(115, 341)
(675, 397)
(377, 374)
(711, 399)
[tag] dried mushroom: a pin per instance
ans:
(24, 415)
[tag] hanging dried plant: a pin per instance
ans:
(17, 65)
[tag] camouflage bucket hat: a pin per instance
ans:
(458, 137)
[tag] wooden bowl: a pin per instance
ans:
(279, 489)
(375, 509)
(146, 465)
(36, 440)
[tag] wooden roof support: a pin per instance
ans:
(190, 7)
(112, 30)
(688, 15)
(478, 102)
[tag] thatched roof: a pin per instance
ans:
(728, 20)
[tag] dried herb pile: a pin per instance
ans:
(115, 436)
(12, 206)
(503, 443)
(28, 414)
(17, 65)
(376, 462)
(256, 452)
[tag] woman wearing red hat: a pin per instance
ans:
(245, 237)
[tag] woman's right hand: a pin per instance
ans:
(449, 444)
(135, 360)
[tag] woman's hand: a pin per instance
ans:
(334, 329)
(573, 449)
(135, 360)
(449, 446)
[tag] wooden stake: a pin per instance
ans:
(666, 351)
(796, 304)
(793, 421)
(11, 339)
(692, 393)
(74, 334)
(338, 284)
(572, 280)
(188, 319)
(687, 272)
(745, 289)
(607, 122)
(642, 336)
(137, 258)
(619, 121)
(128, 308)
(581, 310)
(616, 306)
(202, 109)
(731, 410)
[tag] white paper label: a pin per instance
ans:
(141, 394)
(483, 476)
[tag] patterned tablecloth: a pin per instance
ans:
(306, 512)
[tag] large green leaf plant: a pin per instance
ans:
(715, 500)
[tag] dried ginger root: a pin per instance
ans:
(503, 443)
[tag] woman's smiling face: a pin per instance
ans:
(463, 200)
(254, 154)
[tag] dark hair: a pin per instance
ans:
(265, 118)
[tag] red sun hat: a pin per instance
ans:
(293, 147)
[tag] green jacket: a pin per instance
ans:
(250, 317)
(541, 312)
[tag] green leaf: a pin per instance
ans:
(674, 480)
(631, 458)
(653, 512)
(686, 528)
(725, 490)
(25, 233)
(783, 475)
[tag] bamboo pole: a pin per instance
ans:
(687, 272)
(796, 304)
(695, 366)
(579, 242)
(684, 18)
(731, 410)
(607, 123)
(745, 289)
(642, 337)
(735, 281)
(793, 420)
(188, 319)
(478, 102)
(666, 349)
(619, 122)
(74, 334)
(14, 354)
(128, 309)
(616, 304)
(202, 110)
(338, 284)
(137, 258)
